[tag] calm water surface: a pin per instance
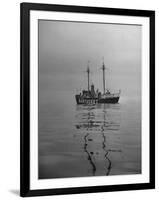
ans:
(88, 140)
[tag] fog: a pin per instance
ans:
(66, 47)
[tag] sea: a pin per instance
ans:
(88, 140)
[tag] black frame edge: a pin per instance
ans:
(152, 99)
(89, 189)
(85, 9)
(24, 102)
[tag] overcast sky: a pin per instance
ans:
(66, 47)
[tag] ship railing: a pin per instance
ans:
(111, 95)
(88, 100)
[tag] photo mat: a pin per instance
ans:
(143, 81)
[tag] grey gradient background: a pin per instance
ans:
(66, 47)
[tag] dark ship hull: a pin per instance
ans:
(107, 99)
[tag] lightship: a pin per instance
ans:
(90, 96)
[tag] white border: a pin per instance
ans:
(86, 181)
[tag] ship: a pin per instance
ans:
(90, 96)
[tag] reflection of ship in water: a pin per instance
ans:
(94, 123)
(90, 96)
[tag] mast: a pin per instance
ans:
(103, 68)
(88, 72)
